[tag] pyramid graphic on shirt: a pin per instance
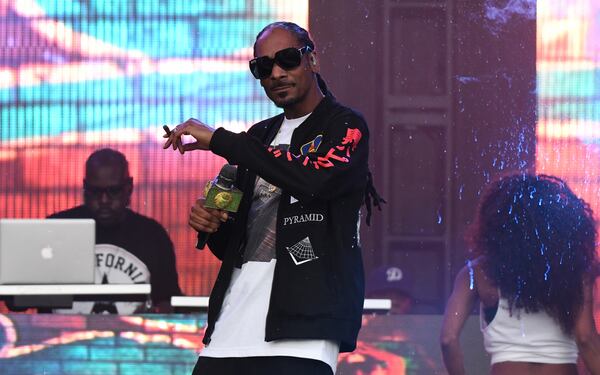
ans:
(302, 252)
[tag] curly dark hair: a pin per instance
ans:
(538, 241)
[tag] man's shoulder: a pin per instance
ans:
(143, 220)
(335, 113)
(343, 110)
(144, 224)
(77, 212)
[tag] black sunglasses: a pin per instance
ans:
(288, 58)
(111, 191)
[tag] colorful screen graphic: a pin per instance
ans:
(78, 75)
(568, 74)
(568, 66)
(168, 345)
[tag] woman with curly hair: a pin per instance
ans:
(533, 275)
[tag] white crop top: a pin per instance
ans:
(526, 337)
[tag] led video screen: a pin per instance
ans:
(76, 76)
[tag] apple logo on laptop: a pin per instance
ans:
(47, 252)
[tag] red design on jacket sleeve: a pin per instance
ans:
(351, 140)
(352, 137)
(348, 144)
(324, 162)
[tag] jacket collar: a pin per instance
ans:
(275, 123)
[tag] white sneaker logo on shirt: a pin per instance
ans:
(302, 252)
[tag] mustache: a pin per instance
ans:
(278, 84)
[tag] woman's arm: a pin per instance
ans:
(586, 335)
(459, 307)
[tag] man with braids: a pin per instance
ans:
(290, 291)
(534, 275)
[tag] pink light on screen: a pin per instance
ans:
(568, 130)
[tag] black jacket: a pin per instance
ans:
(323, 178)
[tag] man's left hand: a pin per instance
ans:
(200, 131)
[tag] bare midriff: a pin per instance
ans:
(531, 368)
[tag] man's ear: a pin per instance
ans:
(129, 183)
(314, 62)
(129, 191)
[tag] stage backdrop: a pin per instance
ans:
(168, 344)
(568, 65)
(77, 75)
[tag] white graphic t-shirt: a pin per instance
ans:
(114, 265)
(240, 328)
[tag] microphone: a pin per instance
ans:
(221, 194)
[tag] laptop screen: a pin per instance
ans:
(47, 251)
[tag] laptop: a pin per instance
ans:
(47, 251)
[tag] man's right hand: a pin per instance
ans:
(204, 219)
(201, 132)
